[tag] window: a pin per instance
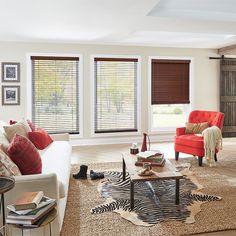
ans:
(55, 93)
(115, 94)
(169, 92)
(169, 115)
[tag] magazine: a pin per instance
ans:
(148, 154)
(14, 218)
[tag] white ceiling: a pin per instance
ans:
(171, 23)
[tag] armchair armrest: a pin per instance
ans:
(180, 131)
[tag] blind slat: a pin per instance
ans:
(50, 58)
(115, 59)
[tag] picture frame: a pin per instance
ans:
(10, 95)
(10, 72)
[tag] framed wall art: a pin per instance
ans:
(10, 95)
(10, 72)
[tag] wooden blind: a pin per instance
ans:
(170, 81)
(55, 93)
(115, 95)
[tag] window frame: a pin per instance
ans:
(151, 129)
(92, 105)
(29, 85)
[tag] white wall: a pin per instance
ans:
(205, 75)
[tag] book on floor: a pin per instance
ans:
(28, 200)
(30, 218)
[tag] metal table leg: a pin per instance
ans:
(3, 214)
(131, 195)
(124, 169)
(177, 192)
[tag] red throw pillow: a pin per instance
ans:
(40, 138)
(24, 154)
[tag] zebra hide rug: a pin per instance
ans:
(154, 201)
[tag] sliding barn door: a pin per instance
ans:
(228, 96)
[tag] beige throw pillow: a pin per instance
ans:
(7, 166)
(196, 128)
(10, 131)
(25, 124)
(22, 128)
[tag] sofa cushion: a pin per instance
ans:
(190, 140)
(30, 123)
(25, 155)
(22, 128)
(56, 159)
(7, 166)
(3, 138)
(40, 138)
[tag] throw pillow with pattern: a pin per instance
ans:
(196, 128)
(7, 166)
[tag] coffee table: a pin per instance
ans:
(166, 172)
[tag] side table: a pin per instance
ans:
(47, 221)
(6, 184)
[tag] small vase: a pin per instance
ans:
(144, 145)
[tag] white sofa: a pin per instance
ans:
(53, 181)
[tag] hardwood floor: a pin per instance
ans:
(112, 153)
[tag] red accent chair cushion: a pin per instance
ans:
(190, 140)
(191, 143)
(40, 138)
(25, 155)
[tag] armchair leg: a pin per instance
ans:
(176, 156)
(200, 161)
(215, 157)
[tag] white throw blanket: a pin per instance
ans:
(212, 141)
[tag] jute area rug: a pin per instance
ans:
(214, 216)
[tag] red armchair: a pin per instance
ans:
(193, 144)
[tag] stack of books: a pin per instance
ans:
(30, 209)
(156, 158)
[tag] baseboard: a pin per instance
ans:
(119, 140)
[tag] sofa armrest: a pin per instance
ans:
(180, 131)
(29, 183)
(60, 137)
